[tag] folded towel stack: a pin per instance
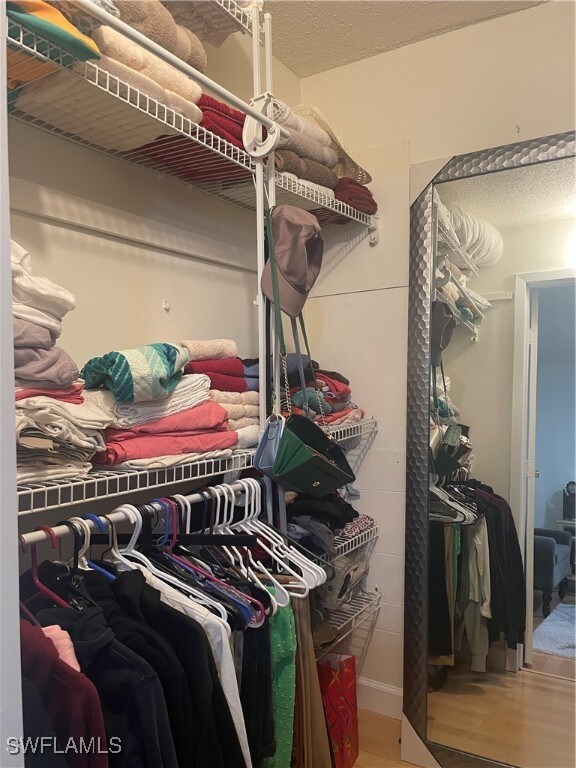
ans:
(196, 430)
(46, 378)
(207, 19)
(225, 374)
(356, 195)
(243, 414)
(156, 414)
(156, 22)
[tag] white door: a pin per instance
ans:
(531, 472)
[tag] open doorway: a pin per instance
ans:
(553, 416)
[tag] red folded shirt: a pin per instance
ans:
(337, 388)
(230, 366)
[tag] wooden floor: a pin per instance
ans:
(379, 741)
(525, 719)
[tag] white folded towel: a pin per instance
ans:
(241, 410)
(210, 349)
(244, 398)
(39, 293)
(248, 436)
(190, 391)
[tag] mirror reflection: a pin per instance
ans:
(501, 619)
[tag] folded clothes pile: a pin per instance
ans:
(326, 397)
(57, 439)
(196, 430)
(217, 358)
(316, 522)
(355, 195)
(243, 414)
(53, 437)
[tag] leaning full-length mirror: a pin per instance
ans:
(499, 649)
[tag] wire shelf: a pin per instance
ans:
(190, 154)
(449, 246)
(361, 609)
(345, 546)
(354, 429)
(85, 22)
(44, 495)
(455, 311)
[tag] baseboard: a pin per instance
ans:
(379, 697)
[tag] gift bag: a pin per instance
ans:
(337, 675)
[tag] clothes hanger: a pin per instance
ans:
(131, 551)
(42, 588)
(257, 610)
(297, 588)
(102, 528)
(311, 573)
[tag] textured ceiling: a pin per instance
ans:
(537, 193)
(311, 36)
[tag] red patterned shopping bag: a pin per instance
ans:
(337, 675)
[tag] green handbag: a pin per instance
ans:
(307, 459)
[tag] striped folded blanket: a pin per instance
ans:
(136, 375)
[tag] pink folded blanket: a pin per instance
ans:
(71, 394)
(200, 418)
(150, 446)
(230, 366)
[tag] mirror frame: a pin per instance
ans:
(422, 239)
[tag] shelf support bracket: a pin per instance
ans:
(374, 231)
(252, 132)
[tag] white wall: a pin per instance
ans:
(555, 402)
(481, 372)
(505, 80)
(135, 241)
(508, 79)
(231, 66)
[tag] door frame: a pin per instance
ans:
(519, 448)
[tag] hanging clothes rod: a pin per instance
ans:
(137, 37)
(116, 516)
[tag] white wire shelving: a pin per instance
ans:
(460, 319)
(344, 546)
(449, 246)
(190, 154)
(327, 209)
(41, 495)
(361, 609)
(354, 429)
(236, 16)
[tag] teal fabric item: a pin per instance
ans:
(137, 375)
(48, 23)
(283, 650)
(312, 399)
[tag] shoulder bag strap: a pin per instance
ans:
(277, 312)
